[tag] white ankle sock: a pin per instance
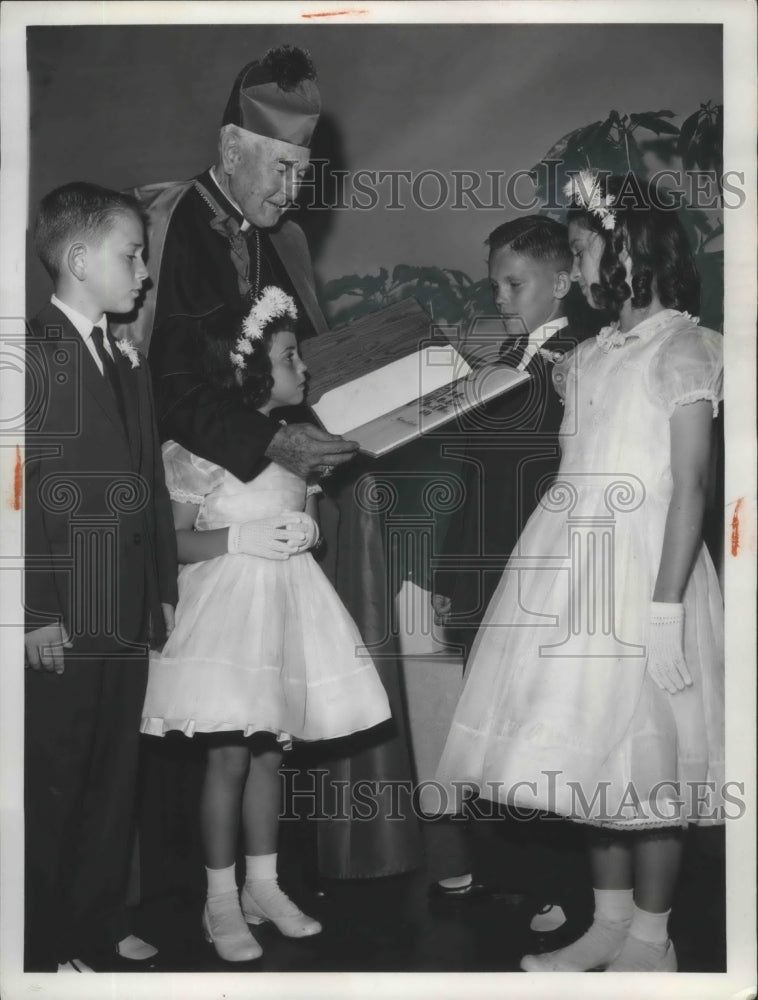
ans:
(647, 947)
(614, 906)
(651, 927)
(260, 867)
(221, 881)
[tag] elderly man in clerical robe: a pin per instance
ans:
(215, 242)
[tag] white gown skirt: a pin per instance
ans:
(262, 646)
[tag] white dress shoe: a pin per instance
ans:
(226, 930)
(644, 956)
(595, 949)
(276, 906)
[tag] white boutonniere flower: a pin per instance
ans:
(129, 349)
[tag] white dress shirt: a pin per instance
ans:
(538, 337)
(244, 225)
(84, 329)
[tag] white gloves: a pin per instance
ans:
(276, 537)
(311, 531)
(665, 649)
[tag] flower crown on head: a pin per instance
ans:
(584, 190)
(270, 305)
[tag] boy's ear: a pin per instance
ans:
(561, 284)
(76, 260)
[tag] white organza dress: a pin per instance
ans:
(260, 645)
(558, 712)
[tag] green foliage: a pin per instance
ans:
(448, 295)
(701, 140)
(609, 145)
(615, 146)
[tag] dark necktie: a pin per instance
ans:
(109, 370)
(512, 351)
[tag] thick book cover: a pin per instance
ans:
(392, 376)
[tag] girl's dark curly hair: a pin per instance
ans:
(217, 335)
(654, 238)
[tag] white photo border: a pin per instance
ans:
(739, 34)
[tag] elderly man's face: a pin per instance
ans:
(265, 177)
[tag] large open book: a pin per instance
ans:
(392, 376)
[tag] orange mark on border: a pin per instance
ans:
(334, 13)
(17, 481)
(736, 528)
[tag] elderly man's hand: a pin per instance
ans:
(307, 450)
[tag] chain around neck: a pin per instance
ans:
(254, 290)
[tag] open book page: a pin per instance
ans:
(405, 423)
(379, 392)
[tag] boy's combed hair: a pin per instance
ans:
(656, 241)
(535, 236)
(78, 210)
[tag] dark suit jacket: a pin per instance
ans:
(511, 454)
(100, 540)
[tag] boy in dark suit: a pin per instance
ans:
(512, 444)
(511, 453)
(100, 582)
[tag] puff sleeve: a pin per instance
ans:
(689, 366)
(189, 478)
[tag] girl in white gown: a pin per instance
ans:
(595, 688)
(263, 649)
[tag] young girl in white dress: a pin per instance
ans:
(595, 689)
(263, 649)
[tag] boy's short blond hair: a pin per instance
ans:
(77, 210)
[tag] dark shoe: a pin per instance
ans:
(549, 918)
(74, 965)
(474, 892)
(110, 960)
(135, 949)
